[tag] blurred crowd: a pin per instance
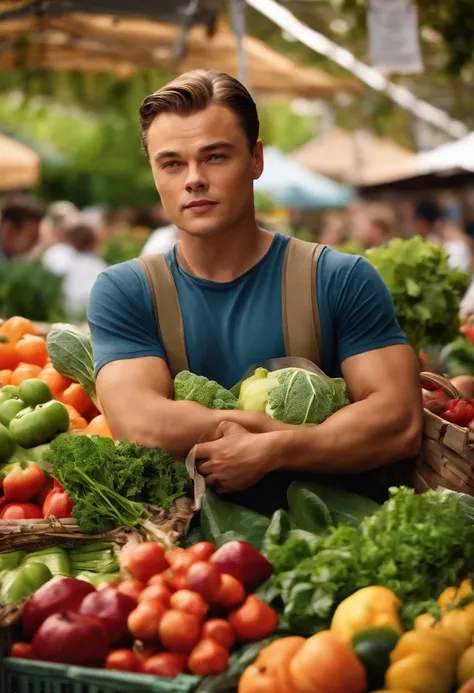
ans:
(69, 242)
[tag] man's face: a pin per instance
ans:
(203, 169)
(19, 239)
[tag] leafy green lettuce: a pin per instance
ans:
(425, 290)
(414, 545)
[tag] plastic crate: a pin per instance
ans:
(24, 676)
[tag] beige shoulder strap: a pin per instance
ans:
(167, 310)
(301, 324)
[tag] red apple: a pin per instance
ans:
(71, 638)
(242, 561)
(113, 609)
(59, 594)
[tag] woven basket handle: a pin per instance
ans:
(441, 383)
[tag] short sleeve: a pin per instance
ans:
(364, 312)
(121, 316)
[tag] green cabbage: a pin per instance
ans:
(293, 395)
(197, 388)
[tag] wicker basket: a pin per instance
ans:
(447, 459)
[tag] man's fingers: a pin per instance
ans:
(206, 467)
(204, 450)
(211, 480)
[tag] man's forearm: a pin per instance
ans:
(361, 437)
(178, 426)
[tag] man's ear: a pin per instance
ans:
(258, 160)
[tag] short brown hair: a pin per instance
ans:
(19, 209)
(81, 236)
(194, 91)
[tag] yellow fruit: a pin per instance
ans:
(418, 674)
(424, 621)
(466, 666)
(433, 644)
(460, 624)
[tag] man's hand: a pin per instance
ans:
(236, 459)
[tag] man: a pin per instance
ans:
(163, 238)
(20, 219)
(428, 225)
(58, 256)
(201, 136)
(379, 226)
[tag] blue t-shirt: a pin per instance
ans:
(232, 325)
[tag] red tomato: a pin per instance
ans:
(22, 650)
(131, 587)
(145, 560)
(57, 504)
(191, 602)
(203, 550)
(23, 482)
(168, 664)
(219, 630)
(155, 593)
(123, 660)
(204, 578)
(21, 511)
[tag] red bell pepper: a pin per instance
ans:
(459, 412)
(57, 504)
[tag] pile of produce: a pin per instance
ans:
(183, 610)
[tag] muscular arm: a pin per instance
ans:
(135, 395)
(383, 425)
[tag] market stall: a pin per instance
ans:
(120, 571)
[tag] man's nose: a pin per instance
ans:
(196, 180)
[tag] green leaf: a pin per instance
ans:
(344, 507)
(412, 288)
(307, 510)
(222, 521)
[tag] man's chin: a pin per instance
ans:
(204, 230)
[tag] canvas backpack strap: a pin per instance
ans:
(300, 312)
(167, 310)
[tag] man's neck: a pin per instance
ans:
(223, 257)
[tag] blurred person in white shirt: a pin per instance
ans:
(163, 238)
(85, 269)
(57, 254)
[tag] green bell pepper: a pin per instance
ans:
(9, 409)
(10, 561)
(38, 425)
(20, 584)
(54, 558)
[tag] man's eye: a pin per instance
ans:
(216, 157)
(172, 164)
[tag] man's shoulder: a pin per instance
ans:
(335, 266)
(124, 273)
(124, 282)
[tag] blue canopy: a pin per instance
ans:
(292, 185)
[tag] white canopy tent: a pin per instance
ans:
(453, 156)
